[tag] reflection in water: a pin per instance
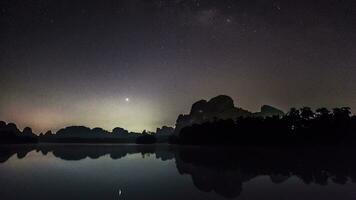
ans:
(218, 169)
(225, 170)
(119, 193)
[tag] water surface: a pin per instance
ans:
(173, 172)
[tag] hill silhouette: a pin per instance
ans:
(9, 133)
(219, 107)
(298, 127)
(216, 122)
(82, 134)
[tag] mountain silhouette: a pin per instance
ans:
(9, 133)
(219, 107)
(216, 122)
(268, 111)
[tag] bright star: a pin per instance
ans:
(127, 99)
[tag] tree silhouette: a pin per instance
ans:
(298, 127)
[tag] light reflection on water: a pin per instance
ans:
(172, 172)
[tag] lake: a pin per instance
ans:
(72, 172)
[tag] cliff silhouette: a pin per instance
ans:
(220, 107)
(9, 133)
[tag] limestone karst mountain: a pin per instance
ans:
(220, 107)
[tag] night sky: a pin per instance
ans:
(138, 64)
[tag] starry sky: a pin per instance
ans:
(138, 64)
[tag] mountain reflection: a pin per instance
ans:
(220, 169)
(225, 170)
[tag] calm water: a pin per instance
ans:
(171, 172)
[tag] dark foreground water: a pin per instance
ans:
(72, 172)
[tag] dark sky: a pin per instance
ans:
(65, 62)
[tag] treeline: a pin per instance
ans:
(10, 134)
(82, 134)
(298, 127)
